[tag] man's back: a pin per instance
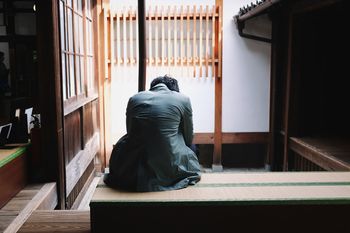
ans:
(155, 153)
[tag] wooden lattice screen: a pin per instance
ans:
(177, 38)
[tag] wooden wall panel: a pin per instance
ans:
(90, 122)
(72, 135)
(77, 166)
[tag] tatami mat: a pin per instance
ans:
(289, 187)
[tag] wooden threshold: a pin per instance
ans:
(14, 214)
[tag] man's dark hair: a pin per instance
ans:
(170, 82)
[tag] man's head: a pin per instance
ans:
(170, 82)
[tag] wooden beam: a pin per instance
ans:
(245, 138)
(232, 138)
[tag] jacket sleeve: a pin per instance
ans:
(188, 123)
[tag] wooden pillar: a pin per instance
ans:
(99, 64)
(273, 70)
(288, 94)
(50, 105)
(217, 166)
(142, 44)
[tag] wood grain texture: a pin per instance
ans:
(232, 138)
(26, 206)
(330, 154)
(68, 221)
(79, 163)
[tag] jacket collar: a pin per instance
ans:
(160, 87)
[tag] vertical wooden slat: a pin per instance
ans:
(150, 37)
(175, 37)
(169, 38)
(137, 36)
(156, 38)
(163, 36)
(181, 39)
(213, 43)
(206, 41)
(105, 42)
(194, 59)
(220, 42)
(131, 37)
(118, 52)
(188, 48)
(125, 50)
(111, 24)
(200, 40)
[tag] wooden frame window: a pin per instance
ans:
(76, 28)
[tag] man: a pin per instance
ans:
(155, 153)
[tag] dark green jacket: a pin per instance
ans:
(155, 153)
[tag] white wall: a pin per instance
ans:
(246, 77)
(246, 71)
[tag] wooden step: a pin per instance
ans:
(244, 201)
(19, 208)
(69, 221)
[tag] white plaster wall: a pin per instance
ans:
(246, 77)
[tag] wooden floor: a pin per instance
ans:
(68, 221)
(33, 197)
(32, 210)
